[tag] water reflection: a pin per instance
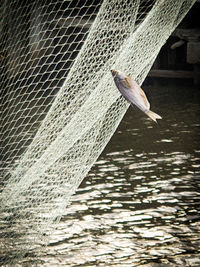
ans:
(140, 202)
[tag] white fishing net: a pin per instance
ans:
(59, 104)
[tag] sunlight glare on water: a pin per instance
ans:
(140, 202)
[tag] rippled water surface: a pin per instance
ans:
(140, 203)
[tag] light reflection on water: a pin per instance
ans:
(140, 202)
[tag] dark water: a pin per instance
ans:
(140, 203)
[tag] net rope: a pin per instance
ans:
(59, 105)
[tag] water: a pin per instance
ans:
(140, 203)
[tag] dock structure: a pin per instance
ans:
(180, 56)
(189, 67)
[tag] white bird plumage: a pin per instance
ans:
(133, 93)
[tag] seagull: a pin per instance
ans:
(133, 93)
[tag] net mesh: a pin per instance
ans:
(59, 105)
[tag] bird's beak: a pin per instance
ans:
(114, 72)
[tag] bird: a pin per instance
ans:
(133, 93)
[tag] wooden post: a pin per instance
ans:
(193, 57)
(197, 75)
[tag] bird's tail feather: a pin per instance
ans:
(152, 115)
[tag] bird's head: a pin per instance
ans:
(118, 74)
(120, 77)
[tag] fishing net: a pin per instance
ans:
(59, 105)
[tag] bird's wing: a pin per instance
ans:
(128, 81)
(147, 104)
(133, 93)
(135, 87)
